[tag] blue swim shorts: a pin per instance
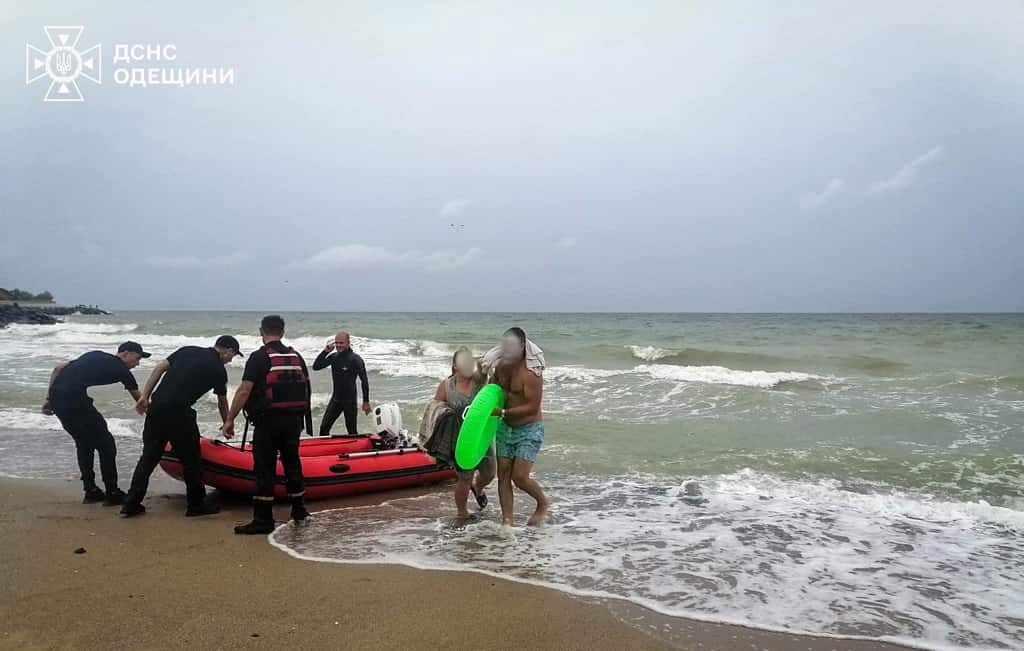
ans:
(521, 442)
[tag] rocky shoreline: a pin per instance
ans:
(42, 314)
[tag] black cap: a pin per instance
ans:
(132, 347)
(227, 341)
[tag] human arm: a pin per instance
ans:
(220, 389)
(322, 361)
(130, 385)
(441, 395)
(223, 407)
(255, 367)
(237, 403)
(365, 382)
(49, 389)
(142, 403)
(308, 416)
(53, 377)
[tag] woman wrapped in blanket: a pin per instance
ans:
(458, 391)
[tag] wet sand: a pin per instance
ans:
(163, 581)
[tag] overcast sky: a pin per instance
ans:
(476, 156)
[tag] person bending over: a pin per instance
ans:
(67, 398)
(184, 377)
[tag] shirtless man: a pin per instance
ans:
(521, 431)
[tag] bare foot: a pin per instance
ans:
(539, 516)
(506, 522)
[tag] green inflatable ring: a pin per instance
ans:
(478, 428)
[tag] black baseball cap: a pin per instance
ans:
(132, 347)
(227, 341)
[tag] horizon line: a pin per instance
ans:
(574, 312)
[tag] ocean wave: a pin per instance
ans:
(70, 339)
(868, 363)
(738, 359)
(989, 382)
(702, 357)
(398, 358)
(695, 374)
(800, 556)
(411, 368)
(19, 418)
(69, 328)
(722, 375)
(426, 348)
(649, 353)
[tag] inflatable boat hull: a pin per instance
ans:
(331, 467)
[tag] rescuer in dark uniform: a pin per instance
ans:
(67, 398)
(275, 394)
(184, 377)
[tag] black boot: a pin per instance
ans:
(114, 497)
(203, 508)
(93, 495)
(132, 509)
(255, 528)
(262, 519)
(300, 516)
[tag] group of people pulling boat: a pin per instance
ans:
(275, 397)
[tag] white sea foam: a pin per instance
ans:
(17, 418)
(748, 548)
(81, 328)
(722, 375)
(580, 374)
(67, 340)
(693, 374)
(649, 353)
(393, 358)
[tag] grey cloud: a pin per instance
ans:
(907, 175)
(454, 208)
(816, 200)
(362, 256)
(193, 262)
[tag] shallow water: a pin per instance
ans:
(842, 474)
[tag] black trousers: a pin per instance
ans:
(89, 430)
(274, 435)
(179, 428)
(336, 408)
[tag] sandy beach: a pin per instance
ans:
(163, 581)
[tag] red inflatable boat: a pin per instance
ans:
(331, 466)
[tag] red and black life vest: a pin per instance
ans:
(287, 385)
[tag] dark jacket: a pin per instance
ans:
(345, 368)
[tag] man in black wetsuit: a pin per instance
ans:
(67, 398)
(346, 366)
(184, 377)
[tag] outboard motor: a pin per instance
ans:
(387, 420)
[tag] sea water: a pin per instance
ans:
(850, 475)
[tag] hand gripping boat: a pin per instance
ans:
(332, 466)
